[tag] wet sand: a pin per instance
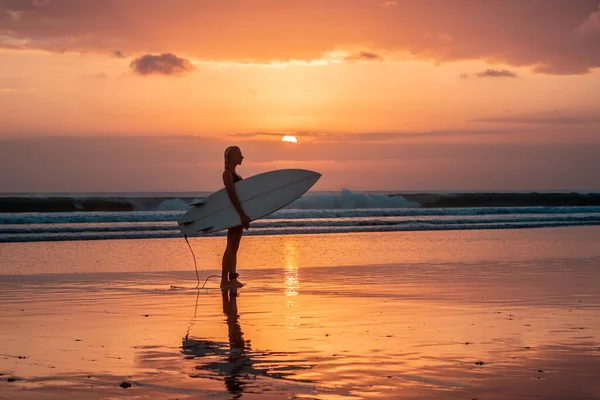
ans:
(507, 314)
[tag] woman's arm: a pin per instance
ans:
(230, 187)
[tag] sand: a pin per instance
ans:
(505, 314)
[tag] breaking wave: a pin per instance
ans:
(162, 224)
(342, 200)
(25, 219)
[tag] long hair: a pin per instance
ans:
(226, 154)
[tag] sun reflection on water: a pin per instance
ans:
(292, 283)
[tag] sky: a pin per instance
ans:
(130, 96)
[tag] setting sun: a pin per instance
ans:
(291, 139)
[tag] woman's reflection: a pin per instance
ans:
(235, 360)
(238, 363)
(238, 359)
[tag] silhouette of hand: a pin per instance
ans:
(245, 221)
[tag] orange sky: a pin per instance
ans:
(394, 95)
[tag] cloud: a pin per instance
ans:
(163, 64)
(495, 73)
(41, 3)
(9, 14)
(366, 137)
(558, 37)
(592, 24)
(492, 73)
(364, 56)
(543, 118)
(118, 54)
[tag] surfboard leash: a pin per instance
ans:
(195, 264)
(195, 268)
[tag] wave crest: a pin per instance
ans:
(348, 200)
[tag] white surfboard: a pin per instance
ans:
(259, 195)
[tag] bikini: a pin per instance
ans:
(236, 177)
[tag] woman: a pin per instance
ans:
(233, 158)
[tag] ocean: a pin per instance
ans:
(59, 217)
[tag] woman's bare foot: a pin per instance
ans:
(234, 283)
(233, 280)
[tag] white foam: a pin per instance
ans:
(348, 200)
(61, 228)
(173, 205)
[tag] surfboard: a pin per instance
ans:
(259, 195)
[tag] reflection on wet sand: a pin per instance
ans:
(234, 361)
(514, 324)
(292, 281)
(237, 358)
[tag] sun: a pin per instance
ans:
(291, 139)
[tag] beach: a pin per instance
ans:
(489, 314)
(415, 184)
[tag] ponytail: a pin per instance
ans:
(227, 151)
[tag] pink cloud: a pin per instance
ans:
(491, 73)
(496, 73)
(163, 64)
(591, 24)
(364, 56)
(540, 34)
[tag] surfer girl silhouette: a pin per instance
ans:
(233, 158)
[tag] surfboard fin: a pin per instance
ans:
(198, 203)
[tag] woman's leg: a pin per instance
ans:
(234, 236)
